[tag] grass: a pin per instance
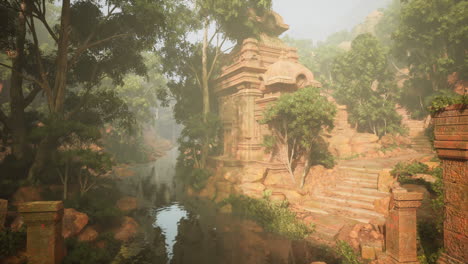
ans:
(273, 217)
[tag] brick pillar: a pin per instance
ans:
(451, 134)
(3, 212)
(401, 231)
(44, 234)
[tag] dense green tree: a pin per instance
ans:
(297, 121)
(432, 40)
(93, 41)
(364, 82)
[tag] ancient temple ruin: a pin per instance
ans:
(261, 70)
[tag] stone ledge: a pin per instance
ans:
(41, 206)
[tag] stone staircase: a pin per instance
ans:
(419, 141)
(353, 196)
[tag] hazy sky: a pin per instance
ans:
(316, 19)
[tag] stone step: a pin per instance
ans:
(366, 175)
(346, 202)
(355, 196)
(359, 169)
(359, 179)
(363, 215)
(360, 191)
(326, 233)
(358, 184)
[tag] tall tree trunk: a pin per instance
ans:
(306, 169)
(48, 143)
(206, 94)
(17, 123)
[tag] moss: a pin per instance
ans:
(273, 217)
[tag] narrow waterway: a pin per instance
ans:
(187, 230)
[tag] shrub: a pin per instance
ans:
(84, 252)
(404, 170)
(347, 253)
(273, 217)
(439, 102)
(11, 242)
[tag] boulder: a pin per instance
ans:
(232, 176)
(27, 194)
(385, 181)
(223, 191)
(209, 192)
(88, 234)
(127, 230)
(127, 204)
(425, 177)
(432, 165)
(253, 174)
(382, 205)
(367, 252)
(17, 224)
(73, 222)
(254, 190)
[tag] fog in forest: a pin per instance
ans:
(233, 132)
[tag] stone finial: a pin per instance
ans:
(401, 231)
(44, 234)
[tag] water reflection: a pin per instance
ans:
(168, 219)
(191, 231)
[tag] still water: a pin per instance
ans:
(187, 230)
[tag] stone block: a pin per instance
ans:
(456, 245)
(456, 196)
(455, 171)
(44, 234)
(367, 252)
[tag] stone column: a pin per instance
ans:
(44, 233)
(3, 212)
(451, 134)
(401, 231)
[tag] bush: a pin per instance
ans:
(273, 217)
(404, 170)
(439, 102)
(100, 208)
(86, 253)
(347, 253)
(11, 242)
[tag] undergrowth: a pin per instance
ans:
(273, 217)
(347, 253)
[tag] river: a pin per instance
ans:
(187, 230)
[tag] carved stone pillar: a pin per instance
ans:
(44, 234)
(401, 231)
(451, 134)
(3, 212)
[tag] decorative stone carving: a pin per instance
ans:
(451, 134)
(401, 232)
(44, 234)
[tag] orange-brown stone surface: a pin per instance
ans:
(451, 134)
(401, 232)
(127, 230)
(44, 234)
(73, 222)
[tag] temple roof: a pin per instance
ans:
(289, 72)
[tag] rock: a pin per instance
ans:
(367, 252)
(291, 195)
(127, 230)
(385, 181)
(123, 172)
(354, 244)
(353, 234)
(127, 204)
(253, 174)
(253, 189)
(226, 209)
(88, 234)
(375, 235)
(223, 191)
(73, 222)
(209, 191)
(382, 205)
(232, 176)
(432, 165)
(425, 177)
(17, 223)
(277, 197)
(368, 227)
(27, 194)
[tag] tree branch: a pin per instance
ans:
(86, 46)
(31, 96)
(218, 51)
(26, 77)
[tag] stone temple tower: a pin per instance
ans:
(260, 70)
